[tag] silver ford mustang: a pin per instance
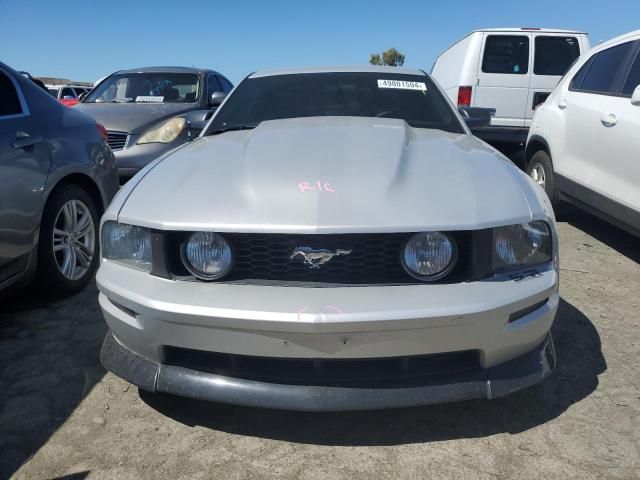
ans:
(335, 239)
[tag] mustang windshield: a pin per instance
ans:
(146, 88)
(413, 98)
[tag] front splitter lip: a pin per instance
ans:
(494, 382)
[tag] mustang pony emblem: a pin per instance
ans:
(315, 258)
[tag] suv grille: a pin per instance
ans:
(117, 140)
(374, 259)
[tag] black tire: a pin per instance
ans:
(541, 163)
(50, 276)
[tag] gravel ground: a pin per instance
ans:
(62, 416)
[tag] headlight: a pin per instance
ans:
(429, 256)
(165, 133)
(523, 245)
(207, 255)
(127, 244)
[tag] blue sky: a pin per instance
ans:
(86, 39)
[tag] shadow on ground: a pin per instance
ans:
(576, 377)
(48, 363)
(612, 236)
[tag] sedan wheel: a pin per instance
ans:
(68, 251)
(74, 239)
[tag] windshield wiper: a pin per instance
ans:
(121, 100)
(232, 128)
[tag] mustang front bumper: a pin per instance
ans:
(506, 322)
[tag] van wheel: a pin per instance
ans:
(68, 248)
(541, 170)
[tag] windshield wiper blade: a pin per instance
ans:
(232, 128)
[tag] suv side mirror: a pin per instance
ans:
(635, 98)
(82, 96)
(216, 99)
(477, 116)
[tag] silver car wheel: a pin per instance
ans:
(74, 239)
(538, 175)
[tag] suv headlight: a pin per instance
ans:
(165, 133)
(127, 244)
(523, 245)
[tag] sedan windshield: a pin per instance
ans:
(413, 98)
(146, 88)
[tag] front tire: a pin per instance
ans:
(540, 169)
(68, 249)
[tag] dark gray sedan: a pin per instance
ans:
(149, 111)
(57, 176)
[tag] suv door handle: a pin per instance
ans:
(562, 104)
(609, 120)
(24, 140)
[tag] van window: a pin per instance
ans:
(506, 54)
(554, 55)
(633, 79)
(9, 102)
(603, 73)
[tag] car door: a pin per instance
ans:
(553, 54)
(616, 163)
(503, 77)
(581, 104)
(24, 165)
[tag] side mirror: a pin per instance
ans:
(196, 121)
(635, 98)
(476, 116)
(82, 96)
(216, 99)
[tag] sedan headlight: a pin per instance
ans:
(523, 245)
(127, 244)
(429, 256)
(165, 133)
(207, 255)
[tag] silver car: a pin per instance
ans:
(335, 239)
(57, 176)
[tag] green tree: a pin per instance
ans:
(391, 57)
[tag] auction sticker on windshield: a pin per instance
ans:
(150, 98)
(402, 85)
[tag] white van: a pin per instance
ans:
(510, 69)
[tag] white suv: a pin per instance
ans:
(584, 142)
(510, 69)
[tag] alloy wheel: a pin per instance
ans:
(538, 175)
(74, 239)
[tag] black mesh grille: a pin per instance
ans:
(373, 259)
(357, 372)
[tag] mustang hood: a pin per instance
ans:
(133, 117)
(331, 174)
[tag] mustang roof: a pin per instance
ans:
(337, 69)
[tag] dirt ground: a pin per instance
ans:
(62, 416)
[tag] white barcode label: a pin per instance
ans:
(402, 85)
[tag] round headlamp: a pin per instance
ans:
(207, 255)
(429, 256)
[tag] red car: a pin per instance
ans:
(67, 94)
